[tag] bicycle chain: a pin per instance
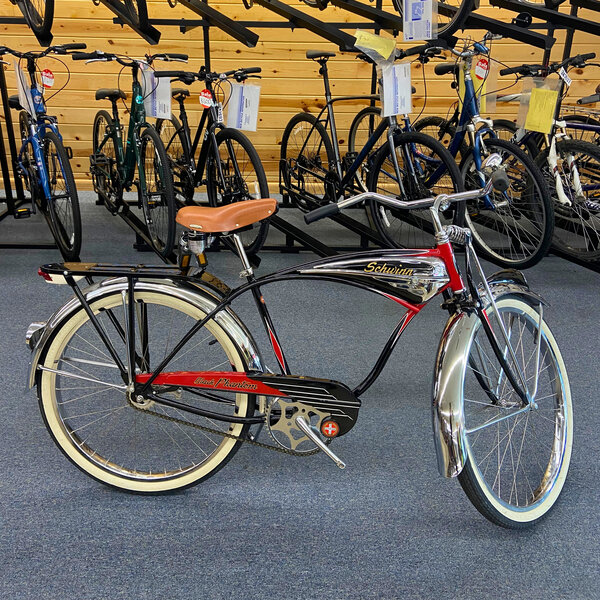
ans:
(224, 433)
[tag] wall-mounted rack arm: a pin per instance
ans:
(388, 21)
(587, 4)
(229, 26)
(555, 18)
(142, 27)
(344, 41)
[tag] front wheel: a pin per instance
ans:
(156, 191)
(120, 439)
(426, 169)
(236, 175)
(514, 228)
(517, 462)
(63, 202)
(39, 15)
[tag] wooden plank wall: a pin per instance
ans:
(290, 82)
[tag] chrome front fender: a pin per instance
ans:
(200, 297)
(450, 365)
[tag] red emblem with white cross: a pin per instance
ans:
(330, 429)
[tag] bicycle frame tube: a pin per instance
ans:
(137, 120)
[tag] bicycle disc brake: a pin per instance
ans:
(281, 422)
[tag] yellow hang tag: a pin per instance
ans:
(542, 107)
(383, 46)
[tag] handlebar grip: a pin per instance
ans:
(172, 74)
(588, 100)
(500, 180)
(85, 55)
(588, 56)
(173, 56)
(77, 46)
(414, 50)
(320, 213)
(510, 70)
(251, 70)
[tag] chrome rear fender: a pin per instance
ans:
(199, 297)
(450, 365)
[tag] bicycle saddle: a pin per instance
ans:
(180, 93)
(312, 54)
(111, 94)
(13, 102)
(444, 68)
(224, 219)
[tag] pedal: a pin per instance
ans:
(22, 213)
(314, 437)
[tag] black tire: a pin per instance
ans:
(63, 204)
(28, 174)
(105, 174)
(156, 193)
(361, 129)
(506, 129)
(307, 161)
(582, 134)
(173, 136)
(576, 227)
(517, 232)
(142, 448)
(516, 467)
(244, 179)
(138, 10)
(39, 15)
(441, 130)
(427, 157)
(447, 22)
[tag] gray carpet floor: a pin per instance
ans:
(272, 526)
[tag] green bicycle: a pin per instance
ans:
(113, 167)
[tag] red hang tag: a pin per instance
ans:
(206, 98)
(47, 78)
(481, 68)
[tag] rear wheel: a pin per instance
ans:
(512, 228)
(123, 441)
(362, 128)
(441, 130)
(426, 169)
(582, 134)
(237, 175)
(173, 136)
(104, 168)
(516, 467)
(63, 203)
(156, 192)
(307, 161)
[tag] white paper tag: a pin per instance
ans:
(219, 112)
(47, 78)
(206, 98)
(157, 95)
(243, 106)
(563, 75)
(418, 19)
(25, 99)
(481, 68)
(397, 90)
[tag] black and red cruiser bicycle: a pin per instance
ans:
(149, 382)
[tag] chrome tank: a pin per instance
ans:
(410, 275)
(199, 297)
(450, 365)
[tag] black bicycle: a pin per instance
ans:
(228, 164)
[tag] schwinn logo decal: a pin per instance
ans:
(375, 267)
(227, 383)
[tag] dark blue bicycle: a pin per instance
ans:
(43, 160)
(511, 228)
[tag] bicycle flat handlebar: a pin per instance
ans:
(499, 180)
(61, 49)
(533, 70)
(188, 77)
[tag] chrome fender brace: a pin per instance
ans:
(450, 364)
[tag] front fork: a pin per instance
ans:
(561, 196)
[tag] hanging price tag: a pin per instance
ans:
(242, 112)
(396, 94)
(25, 98)
(47, 78)
(542, 106)
(206, 98)
(156, 95)
(482, 68)
(374, 46)
(418, 17)
(563, 75)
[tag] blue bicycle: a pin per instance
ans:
(43, 160)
